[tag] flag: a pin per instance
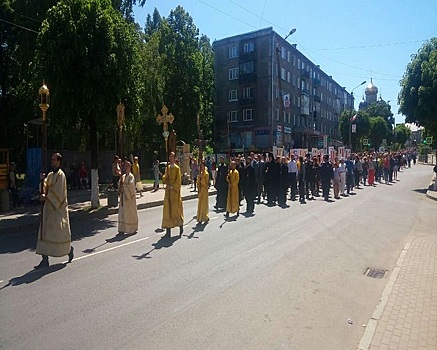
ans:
(353, 118)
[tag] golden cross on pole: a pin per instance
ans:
(164, 118)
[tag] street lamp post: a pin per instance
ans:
(350, 119)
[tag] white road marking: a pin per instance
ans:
(108, 249)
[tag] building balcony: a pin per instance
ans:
(317, 82)
(305, 74)
(304, 111)
(246, 101)
(305, 130)
(305, 92)
(247, 78)
(317, 98)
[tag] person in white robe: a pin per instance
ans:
(127, 209)
(54, 237)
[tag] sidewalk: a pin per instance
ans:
(79, 205)
(406, 316)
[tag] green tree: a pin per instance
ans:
(182, 94)
(89, 56)
(417, 98)
(18, 89)
(362, 122)
(402, 134)
(378, 130)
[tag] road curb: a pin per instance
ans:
(367, 337)
(80, 215)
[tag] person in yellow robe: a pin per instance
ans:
(233, 202)
(172, 211)
(127, 209)
(202, 187)
(54, 237)
(137, 176)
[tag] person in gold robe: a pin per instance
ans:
(54, 237)
(202, 187)
(233, 202)
(137, 176)
(127, 210)
(172, 211)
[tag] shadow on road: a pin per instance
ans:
(164, 242)
(421, 190)
(20, 241)
(200, 227)
(117, 238)
(33, 275)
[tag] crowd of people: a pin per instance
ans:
(256, 178)
(274, 178)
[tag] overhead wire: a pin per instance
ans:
(17, 25)
(303, 48)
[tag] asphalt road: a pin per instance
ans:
(282, 279)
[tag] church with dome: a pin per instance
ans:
(371, 93)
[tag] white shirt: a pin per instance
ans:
(292, 166)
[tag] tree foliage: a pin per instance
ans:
(379, 130)
(417, 98)
(18, 92)
(402, 134)
(99, 66)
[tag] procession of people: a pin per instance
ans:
(256, 178)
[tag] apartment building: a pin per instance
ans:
(269, 94)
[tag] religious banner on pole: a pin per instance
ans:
(331, 153)
(314, 151)
(341, 152)
(303, 152)
(348, 152)
(354, 128)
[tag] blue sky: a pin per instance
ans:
(350, 40)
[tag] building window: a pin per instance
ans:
(288, 77)
(247, 115)
(248, 47)
(246, 67)
(283, 53)
(233, 95)
(233, 73)
(277, 114)
(298, 101)
(298, 63)
(233, 52)
(288, 56)
(248, 93)
(233, 116)
(288, 117)
(298, 83)
(284, 116)
(294, 60)
(293, 80)
(283, 73)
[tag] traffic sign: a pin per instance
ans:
(429, 140)
(365, 142)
